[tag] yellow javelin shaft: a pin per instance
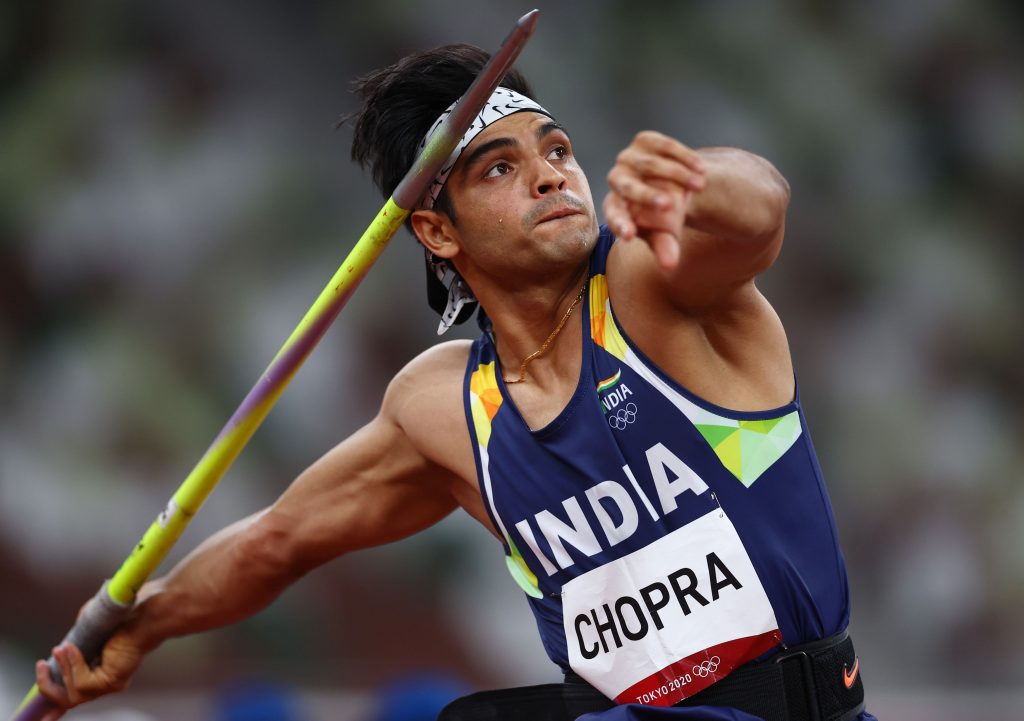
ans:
(189, 497)
(114, 600)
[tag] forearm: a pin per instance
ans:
(372, 488)
(230, 576)
(744, 198)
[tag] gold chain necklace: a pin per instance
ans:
(544, 346)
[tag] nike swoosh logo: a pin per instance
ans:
(851, 676)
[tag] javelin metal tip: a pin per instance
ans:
(529, 20)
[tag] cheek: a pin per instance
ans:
(580, 181)
(489, 208)
(488, 217)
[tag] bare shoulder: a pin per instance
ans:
(425, 400)
(435, 375)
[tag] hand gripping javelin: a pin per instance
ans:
(112, 603)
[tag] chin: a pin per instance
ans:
(586, 233)
(573, 243)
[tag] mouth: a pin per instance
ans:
(558, 214)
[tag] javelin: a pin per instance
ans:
(111, 605)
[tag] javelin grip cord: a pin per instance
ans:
(99, 620)
(114, 601)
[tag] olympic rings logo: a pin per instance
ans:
(623, 417)
(707, 667)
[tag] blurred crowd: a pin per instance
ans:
(174, 194)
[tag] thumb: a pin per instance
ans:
(666, 250)
(53, 715)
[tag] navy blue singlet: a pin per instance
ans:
(662, 540)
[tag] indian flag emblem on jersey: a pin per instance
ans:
(609, 382)
(612, 392)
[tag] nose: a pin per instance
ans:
(547, 179)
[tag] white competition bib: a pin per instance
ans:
(670, 619)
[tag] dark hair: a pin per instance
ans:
(402, 101)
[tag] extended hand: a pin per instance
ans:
(650, 184)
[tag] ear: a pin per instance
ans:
(436, 232)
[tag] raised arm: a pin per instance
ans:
(373, 488)
(713, 217)
(699, 226)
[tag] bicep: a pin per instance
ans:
(371, 489)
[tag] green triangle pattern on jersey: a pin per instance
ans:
(521, 572)
(749, 448)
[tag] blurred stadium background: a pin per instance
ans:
(173, 194)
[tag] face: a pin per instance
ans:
(522, 202)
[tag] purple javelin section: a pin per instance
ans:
(415, 183)
(34, 709)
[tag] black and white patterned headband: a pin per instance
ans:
(502, 103)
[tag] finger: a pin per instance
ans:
(67, 671)
(670, 147)
(650, 166)
(48, 687)
(633, 190)
(620, 217)
(85, 683)
(617, 215)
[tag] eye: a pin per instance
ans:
(559, 152)
(497, 169)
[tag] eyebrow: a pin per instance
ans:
(475, 157)
(548, 128)
(487, 147)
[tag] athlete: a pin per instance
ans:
(627, 427)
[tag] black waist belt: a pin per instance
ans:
(818, 681)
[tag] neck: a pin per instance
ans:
(525, 318)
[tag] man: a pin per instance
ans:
(627, 427)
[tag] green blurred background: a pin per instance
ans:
(173, 195)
